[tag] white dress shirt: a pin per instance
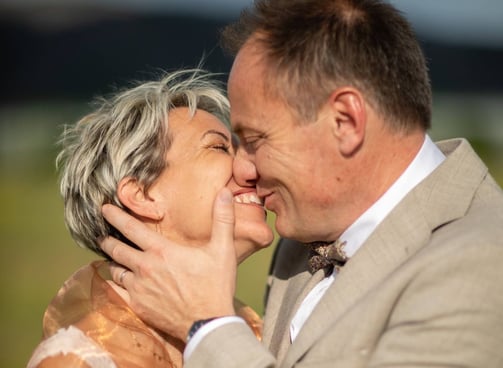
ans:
(427, 160)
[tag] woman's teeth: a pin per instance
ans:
(248, 198)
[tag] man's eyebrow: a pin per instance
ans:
(241, 130)
(237, 129)
(217, 132)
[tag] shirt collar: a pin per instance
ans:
(427, 159)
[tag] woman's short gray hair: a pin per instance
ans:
(125, 136)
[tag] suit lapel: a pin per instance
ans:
(275, 298)
(290, 277)
(285, 341)
(442, 197)
(280, 338)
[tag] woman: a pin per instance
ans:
(161, 151)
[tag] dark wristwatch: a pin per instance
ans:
(197, 325)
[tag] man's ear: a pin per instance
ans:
(132, 195)
(349, 118)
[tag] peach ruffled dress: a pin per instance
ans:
(88, 324)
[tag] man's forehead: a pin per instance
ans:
(249, 61)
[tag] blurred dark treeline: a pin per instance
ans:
(83, 60)
(99, 50)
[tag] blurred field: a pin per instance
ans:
(37, 254)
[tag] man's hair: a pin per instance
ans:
(312, 47)
(127, 135)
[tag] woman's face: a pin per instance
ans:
(199, 164)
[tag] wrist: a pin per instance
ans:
(197, 325)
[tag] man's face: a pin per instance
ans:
(294, 163)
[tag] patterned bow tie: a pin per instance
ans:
(323, 254)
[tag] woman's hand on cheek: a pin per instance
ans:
(172, 285)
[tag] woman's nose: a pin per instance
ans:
(244, 170)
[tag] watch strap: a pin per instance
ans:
(197, 325)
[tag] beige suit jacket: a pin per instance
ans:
(425, 290)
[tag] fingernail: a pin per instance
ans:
(104, 209)
(225, 196)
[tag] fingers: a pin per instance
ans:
(222, 234)
(131, 228)
(121, 253)
(120, 275)
(120, 289)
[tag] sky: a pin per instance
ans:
(476, 22)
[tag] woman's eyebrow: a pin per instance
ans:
(217, 132)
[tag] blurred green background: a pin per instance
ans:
(56, 58)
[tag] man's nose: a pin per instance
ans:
(244, 170)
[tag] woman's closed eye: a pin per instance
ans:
(217, 140)
(222, 147)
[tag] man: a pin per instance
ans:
(391, 245)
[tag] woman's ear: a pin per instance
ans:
(349, 119)
(132, 195)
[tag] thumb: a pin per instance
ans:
(222, 233)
